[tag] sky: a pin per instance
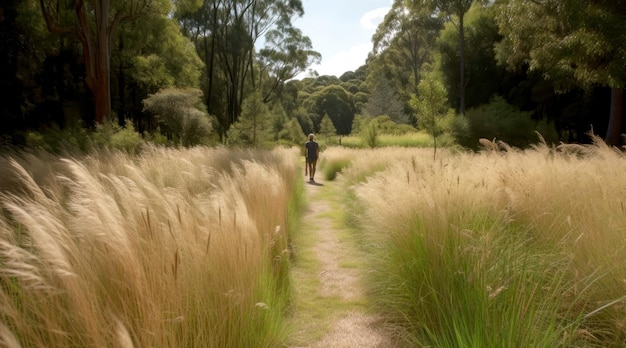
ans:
(341, 30)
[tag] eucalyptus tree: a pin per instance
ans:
(151, 54)
(574, 43)
(452, 10)
(483, 75)
(286, 54)
(95, 23)
(226, 34)
(406, 39)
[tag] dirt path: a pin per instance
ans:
(335, 313)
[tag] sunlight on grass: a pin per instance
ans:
(517, 248)
(173, 248)
(414, 139)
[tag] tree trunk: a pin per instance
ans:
(614, 129)
(462, 63)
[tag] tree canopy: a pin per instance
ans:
(77, 63)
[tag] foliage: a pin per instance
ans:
(576, 43)
(304, 120)
(94, 24)
(57, 141)
(254, 126)
(370, 134)
(502, 121)
(226, 35)
(111, 135)
(159, 55)
(483, 74)
(402, 44)
(291, 132)
(383, 100)
(287, 53)
(572, 42)
(430, 106)
(454, 10)
(327, 128)
(337, 103)
(180, 115)
(372, 128)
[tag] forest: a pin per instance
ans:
(190, 72)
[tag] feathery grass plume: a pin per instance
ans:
(514, 248)
(133, 233)
(7, 338)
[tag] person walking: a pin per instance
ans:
(311, 153)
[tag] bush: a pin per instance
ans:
(506, 122)
(57, 140)
(126, 139)
(112, 135)
(180, 115)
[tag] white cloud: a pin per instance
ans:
(371, 19)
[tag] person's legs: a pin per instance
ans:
(312, 169)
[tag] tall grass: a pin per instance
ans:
(414, 139)
(517, 248)
(175, 248)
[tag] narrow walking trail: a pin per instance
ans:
(330, 308)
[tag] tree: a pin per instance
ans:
(286, 54)
(334, 101)
(430, 105)
(151, 54)
(384, 101)
(254, 125)
(304, 120)
(327, 128)
(226, 33)
(458, 9)
(405, 39)
(572, 42)
(95, 24)
(291, 131)
(482, 73)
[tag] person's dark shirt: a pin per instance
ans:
(311, 150)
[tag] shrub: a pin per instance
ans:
(505, 122)
(126, 139)
(111, 135)
(55, 140)
(181, 116)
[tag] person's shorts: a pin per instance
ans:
(311, 159)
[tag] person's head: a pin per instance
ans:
(311, 137)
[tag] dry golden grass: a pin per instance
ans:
(567, 203)
(173, 248)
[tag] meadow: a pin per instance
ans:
(502, 248)
(171, 248)
(411, 139)
(192, 247)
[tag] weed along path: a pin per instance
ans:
(330, 308)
